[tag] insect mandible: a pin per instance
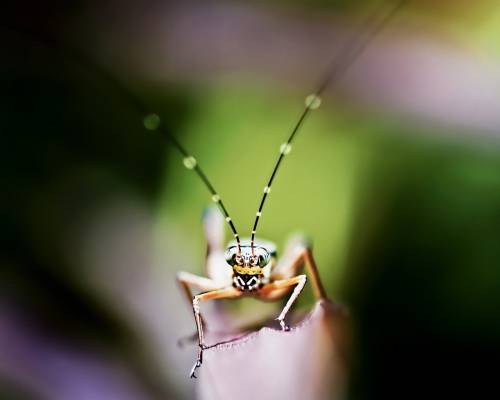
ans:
(252, 268)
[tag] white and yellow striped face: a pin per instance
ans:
(248, 266)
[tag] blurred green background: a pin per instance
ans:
(402, 201)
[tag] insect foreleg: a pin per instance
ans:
(187, 279)
(297, 254)
(277, 286)
(226, 293)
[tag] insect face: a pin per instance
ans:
(248, 266)
(247, 282)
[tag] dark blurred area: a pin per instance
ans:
(426, 306)
(88, 305)
(71, 142)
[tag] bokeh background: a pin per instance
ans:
(396, 178)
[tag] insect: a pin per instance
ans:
(251, 267)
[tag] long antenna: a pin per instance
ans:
(153, 122)
(346, 56)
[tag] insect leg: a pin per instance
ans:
(216, 267)
(213, 226)
(226, 293)
(297, 254)
(277, 287)
(187, 279)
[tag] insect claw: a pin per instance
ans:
(193, 370)
(198, 361)
(284, 326)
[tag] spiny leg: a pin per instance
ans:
(226, 293)
(299, 253)
(275, 287)
(185, 280)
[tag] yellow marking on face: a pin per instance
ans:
(248, 270)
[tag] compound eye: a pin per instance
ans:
(264, 259)
(231, 255)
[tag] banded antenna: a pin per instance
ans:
(153, 122)
(346, 56)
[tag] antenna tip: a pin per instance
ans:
(151, 122)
